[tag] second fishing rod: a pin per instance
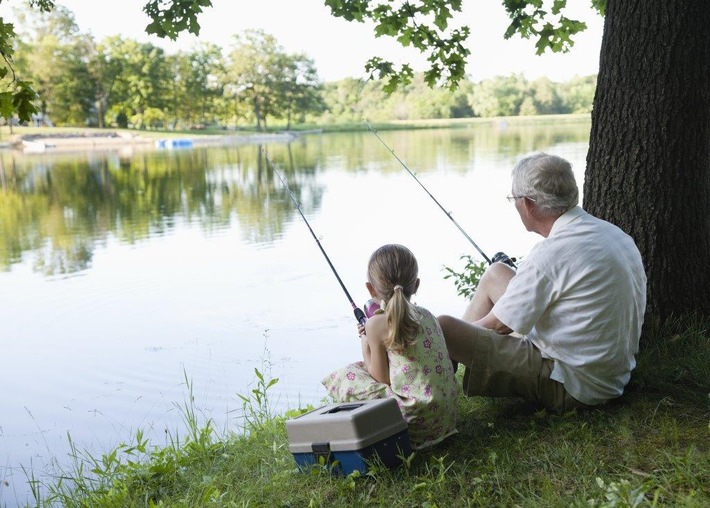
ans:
(359, 313)
(498, 257)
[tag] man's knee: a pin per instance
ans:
(494, 281)
(455, 335)
(498, 274)
(446, 323)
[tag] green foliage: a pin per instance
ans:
(96, 81)
(549, 26)
(7, 34)
(151, 118)
(42, 5)
(198, 85)
(619, 494)
(171, 17)
(351, 100)
(499, 96)
(423, 25)
(22, 100)
(467, 280)
(273, 82)
(121, 82)
(577, 94)
(600, 6)
(55, 57)
(18, 96)
(255, 406)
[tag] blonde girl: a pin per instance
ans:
(404, 352)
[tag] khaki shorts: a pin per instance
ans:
(509, 366)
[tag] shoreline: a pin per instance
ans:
(49, 143)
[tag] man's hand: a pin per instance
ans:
(491, 322)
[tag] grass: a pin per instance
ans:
(650, 448)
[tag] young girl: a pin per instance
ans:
(404, 353)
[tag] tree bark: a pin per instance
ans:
(648, 166)
(257, 112)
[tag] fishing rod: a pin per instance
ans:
(359, 314)
(499, 256)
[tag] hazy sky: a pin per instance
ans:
(340, 48)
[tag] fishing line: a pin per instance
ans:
(359, 314)
(498, 256)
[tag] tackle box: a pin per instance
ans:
(348, 436)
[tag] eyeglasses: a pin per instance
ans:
(512, 198)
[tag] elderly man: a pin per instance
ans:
(562, 330)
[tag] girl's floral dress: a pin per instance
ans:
(422, 381)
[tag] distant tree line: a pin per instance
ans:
(119, 82)
(349, 100)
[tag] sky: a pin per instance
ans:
(341, 48)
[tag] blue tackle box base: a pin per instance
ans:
(388, 452)
(349, 437)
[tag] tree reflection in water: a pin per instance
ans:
(58, 208)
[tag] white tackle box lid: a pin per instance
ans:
(345, 426)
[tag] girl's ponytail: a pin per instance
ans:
(402, 322)
(393, 272)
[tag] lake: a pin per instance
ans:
(134, 279)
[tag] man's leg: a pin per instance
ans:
(467, 343)
(462, 339)
(460, 335)
(491, 287)
(503, 365)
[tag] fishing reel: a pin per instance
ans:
(371, 307)
(501, 257)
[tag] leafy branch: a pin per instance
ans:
(18, 95)
(467, 280)
(531, 19)
(171, 17)
(422, 25)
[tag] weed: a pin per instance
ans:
(256, 409)
(467, 280)
(619, 494)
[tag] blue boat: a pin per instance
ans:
(174, 143)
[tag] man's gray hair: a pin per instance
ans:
(548, 180)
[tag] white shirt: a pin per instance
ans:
(580, 297)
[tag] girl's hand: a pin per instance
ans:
(361, 330)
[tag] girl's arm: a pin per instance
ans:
(374, 353)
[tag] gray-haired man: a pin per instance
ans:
(564, 329)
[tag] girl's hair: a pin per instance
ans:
(548, 180)
(392, 271)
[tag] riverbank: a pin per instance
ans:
(51, 140)
(41, 139)
(651, 448)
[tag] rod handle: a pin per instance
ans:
(360, 315)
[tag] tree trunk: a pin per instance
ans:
(257, 113)
(648, 166)
(101, 111)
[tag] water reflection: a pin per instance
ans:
(59, 207)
